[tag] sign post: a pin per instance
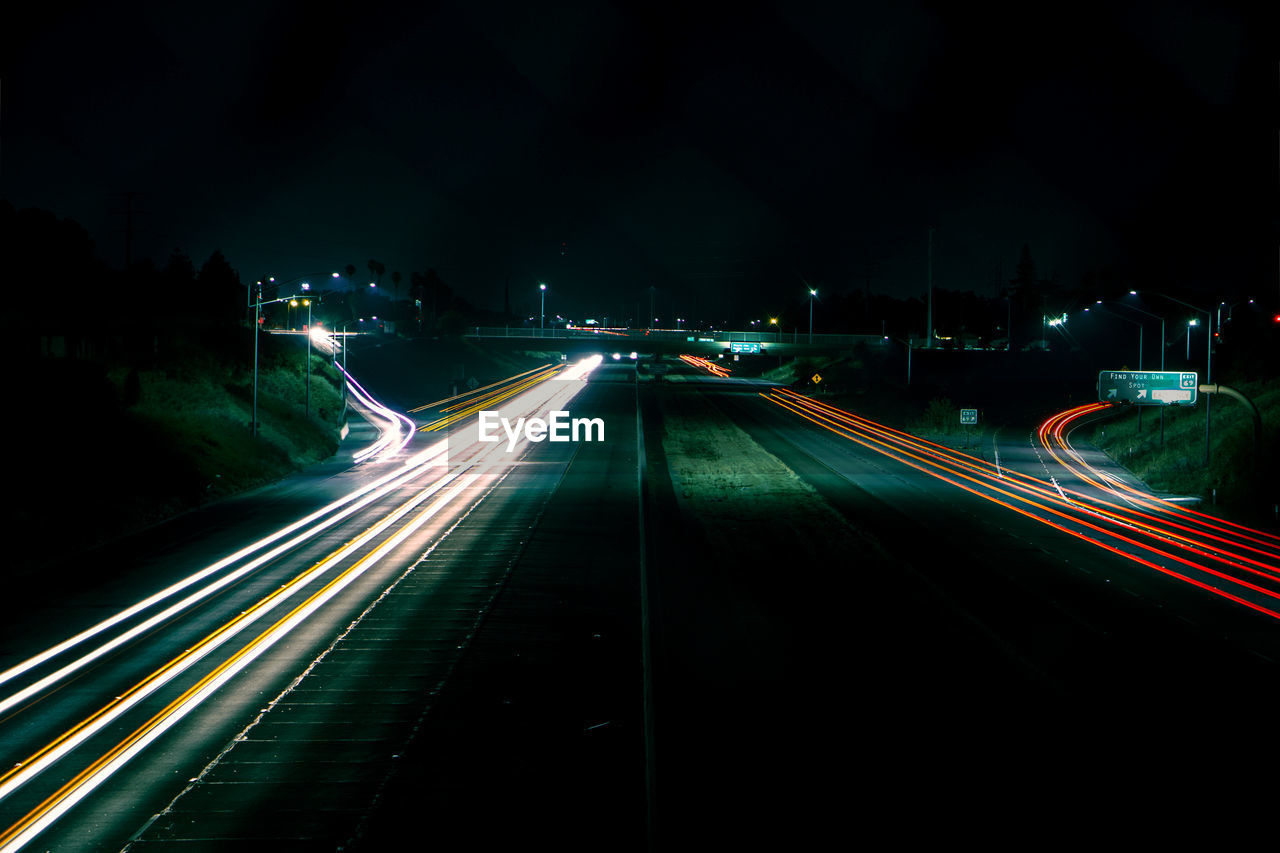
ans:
(968, 418)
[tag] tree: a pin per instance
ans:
(376, 269)
(395, 284)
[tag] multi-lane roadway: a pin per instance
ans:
(536, 640)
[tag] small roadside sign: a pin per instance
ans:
(968, 417)
(816, 378)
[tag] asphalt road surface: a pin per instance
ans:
(553, 652)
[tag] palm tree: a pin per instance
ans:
(395, 284)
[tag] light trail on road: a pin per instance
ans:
(473, 401)
(706, 364)
(1235, 570)
(1054, 435)
(387, 521)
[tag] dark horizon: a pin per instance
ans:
(727, 163)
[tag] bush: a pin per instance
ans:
(941, 415)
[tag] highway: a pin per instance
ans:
(140, 704)
(745, 616)
(991, 654)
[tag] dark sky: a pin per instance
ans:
(719, 155)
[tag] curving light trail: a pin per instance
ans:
(1174, 518)
(397, 433)
(472, 472)
(1235, 567)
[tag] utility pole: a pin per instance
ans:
(257, 321)
(128, 212)
(128, 232)
(308, 409)
(929, 324)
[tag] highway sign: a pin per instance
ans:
(744, 346)
(815, 378)
(968, 417)
(1148, 387)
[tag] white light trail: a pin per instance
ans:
(544, 396)
(398, 433)
(370, 493)
(141, 739)
(42, 761)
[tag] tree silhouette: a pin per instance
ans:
(376, 269)
(220, 284)
(395, 284)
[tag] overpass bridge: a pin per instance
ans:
(671, 341)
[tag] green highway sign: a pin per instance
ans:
(1148, 387)
(968, 417)
(744, 346)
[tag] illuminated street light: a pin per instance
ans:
(813, 293)
(257, 330)
(1208, 365)
(542, 286)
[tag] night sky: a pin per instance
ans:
(723, 156)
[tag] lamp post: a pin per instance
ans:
(1141, 330)
(307, 302)
(812, 295)
(257, 330)
(1162, 347)
(1230, 308)
(1208, 364)
(542, 324)
(909, 345)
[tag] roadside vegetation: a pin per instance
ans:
(1238, 481)
(113, 450)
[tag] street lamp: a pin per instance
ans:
(542, 286)
(307, 302)
(1230, 308)
(812, 295)
(1208, 366)
(909, 343)
(257, 330)
(1162, 348)
(1141, 331)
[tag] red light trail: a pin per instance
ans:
(1230, 560)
